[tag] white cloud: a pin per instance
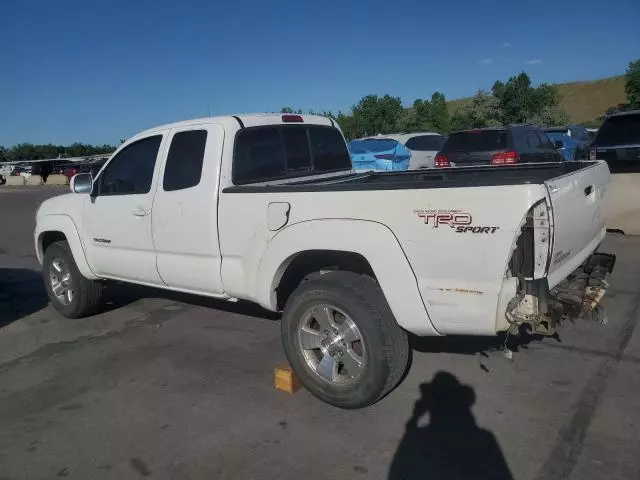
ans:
(535, 61)
(506, 44)
(486, 61)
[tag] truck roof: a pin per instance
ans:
(244, 120)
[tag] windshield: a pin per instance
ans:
(476, 141)
(619, 130)
(372, 145)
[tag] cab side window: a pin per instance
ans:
(130, 172)
(184, 161)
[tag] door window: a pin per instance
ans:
(184, 161)
(130, 172)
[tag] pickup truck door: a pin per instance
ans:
(185, 210)
(578, 218)
(116, 220)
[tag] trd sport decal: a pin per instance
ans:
(457, 219)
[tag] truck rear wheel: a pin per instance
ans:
(71, 294)
(342, 340)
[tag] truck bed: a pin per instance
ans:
(482, 176)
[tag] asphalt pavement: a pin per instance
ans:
(169, 386)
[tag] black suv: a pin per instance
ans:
(497, 146)
(618, 141)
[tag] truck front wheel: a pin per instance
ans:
(71, 294)
(342, 340)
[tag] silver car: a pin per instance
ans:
(423, 146)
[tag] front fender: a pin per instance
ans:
(374, 241)
(65, 225)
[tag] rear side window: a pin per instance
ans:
(277, 152)
(544, 140)
(532, 141)
(130, 172)
(476, 141)
(619, 130)
(184, 161)
(425, 143)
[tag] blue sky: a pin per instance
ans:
(95, 72)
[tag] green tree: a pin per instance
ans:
(430, 115)
(422, 110)
(522, 103)
(550, 116)
(408, 121)
(439, 117)
(29, 151)
(349, 126)
(632, 84)
(376, 115)
(483, 110)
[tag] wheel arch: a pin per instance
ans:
(53, 228)
(356, 245)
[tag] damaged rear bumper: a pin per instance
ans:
(577, 296)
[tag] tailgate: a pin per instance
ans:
(578, 218)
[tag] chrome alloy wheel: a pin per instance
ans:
(61, 281)
(332, 344)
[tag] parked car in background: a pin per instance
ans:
(2, 180)
(618, 140)
(22, 169)
(505, 145)
(70, 170)
(579, 135)
(6, 169)
(424, 146)
(379, 154)
(568, 147)
(93, 167)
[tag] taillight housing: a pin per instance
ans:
(505, 158)
(593, 154)
(442, 161)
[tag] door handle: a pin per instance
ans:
(588, 190)
(140, 212)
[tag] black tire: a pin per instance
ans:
(387, 345)
(86, 293)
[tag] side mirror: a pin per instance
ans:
(81, 183)
(558, 145)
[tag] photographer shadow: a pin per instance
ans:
(451, 446)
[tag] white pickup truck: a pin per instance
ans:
(266, 208)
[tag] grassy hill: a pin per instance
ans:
(583, 101)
